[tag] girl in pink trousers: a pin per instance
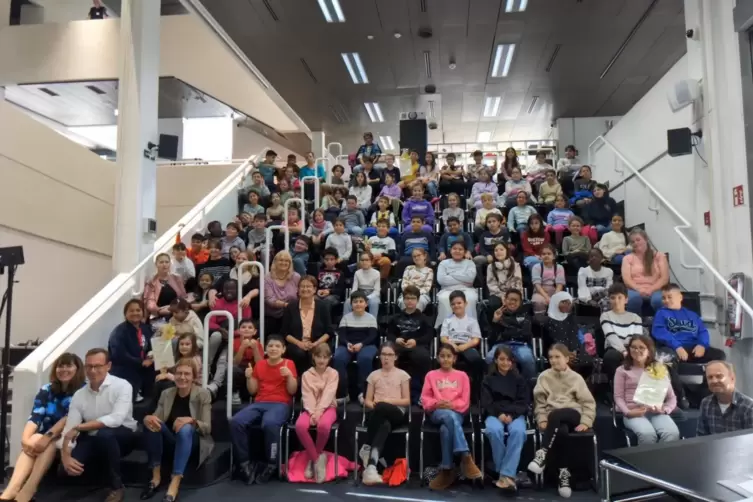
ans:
(319, 387)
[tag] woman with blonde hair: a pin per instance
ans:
(280, 289)
(44, 427)
(162, 289)
(645, 271)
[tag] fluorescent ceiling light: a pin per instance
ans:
(374, 111)
(492, 106)
(328, 8)
(387, 142)
(484, 136)
(516, 5)
(503, 60)
(355, 67)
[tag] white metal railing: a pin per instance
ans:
(262, 275)
(301, 208)
(207, 364)
(316, 181)
(685, 224)
(268, 239)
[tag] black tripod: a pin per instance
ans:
(10, 257)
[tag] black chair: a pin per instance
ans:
(429, 427)
(403, 430)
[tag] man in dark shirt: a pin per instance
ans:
(726, 409)
(99, 11)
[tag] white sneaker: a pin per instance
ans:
(371, 476)
(563, 483)
(308, 472)
(538, 463)
(236, 399)
(360, 398)
(321, 468)
(139, 397)
(365, 455)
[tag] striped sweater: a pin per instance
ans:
(618, 328)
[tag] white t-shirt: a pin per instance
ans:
(459, 330)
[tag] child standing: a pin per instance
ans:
(446, 398)
(548, 277)
(318, 392)
(367, 280)
(558, 218)
(273, 381)
(594, 281)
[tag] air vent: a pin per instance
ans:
(336, 114)
(427, 63)
(308, 70)
(554, 56)
(272, 12)
(49, 92)
(423, 5)
(95, 89)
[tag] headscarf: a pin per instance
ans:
(554, 305)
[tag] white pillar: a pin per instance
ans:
(136, 185)
(317, 144)
(4, 13)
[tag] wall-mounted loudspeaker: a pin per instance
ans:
(414, 136)
(683, 93)
(679, 142)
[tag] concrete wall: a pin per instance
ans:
(581, 131)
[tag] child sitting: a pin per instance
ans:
(383, 249)
(415, 237)
(357, 335)
(446, 398)
(273, 382)
(390, 189)
(488, 207)
(353, 217)
(333, 202)
(253, 207)
(257, 237)
(247, 351)
(599, 212)
(180, 265)
(536, 173)
(533, 241)
(550, 189)
(548, 278)
(517, 218)
(494, 234)
(420, 276)
(417, 206)
(198, 253)
(562, 328)
(584, 187)
(515, 184)
(231, 239)
(294, 222)
(340, 241)
(575, 247)
(463, 332)
(331, 279)
(594, 281)
(185, 321)
(382, 213)
(482, 186)
(511, 326)
(319, 229)
(615, 243)
(367, 280)
(502, 275)
(337, 175)
(390, 168)
(286, 192)
(318, 392)
(258, 186)
(453, 209)
(558, 218)
(267, 169)
(300, 254)
(453, 233)
(275, 211)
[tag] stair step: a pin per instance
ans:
(135, 470)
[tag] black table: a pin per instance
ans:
(689, 468)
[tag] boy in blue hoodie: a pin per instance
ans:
(682, 330)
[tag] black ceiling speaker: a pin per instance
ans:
(430, 89)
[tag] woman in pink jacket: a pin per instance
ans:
(162, 289)
(319, 387)
(446, 397)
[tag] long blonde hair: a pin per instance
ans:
(648, 256)
(275, 264)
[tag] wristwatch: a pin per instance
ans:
(49, 434)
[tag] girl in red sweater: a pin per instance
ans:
(533, 241)
(446, 397)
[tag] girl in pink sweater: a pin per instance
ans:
(446, 397)
(318, 389)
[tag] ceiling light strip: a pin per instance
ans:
(370, 111)
(427, 63)
(349, 66)
(554, 56)
(508, 60)
(533, 104)
(378, 111)
(325, 11)
(361, 71)
(491, 108)
(339, 12)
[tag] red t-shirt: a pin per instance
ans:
(248, 356)
(271, 382)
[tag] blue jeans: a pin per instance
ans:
(183, 442)
(652, 428)
(300, 260)
(451, 437)
(530, 261)
(523, 356)
(521, 228)
(374, 302)
(601, 229)
(272, 417)
(354, 230)
(431, 187)
(364, 359)
(506, 456)
(635, 301)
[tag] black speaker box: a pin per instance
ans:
(414, 135)
(679, 142)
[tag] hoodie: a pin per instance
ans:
(191, 324)
(506, 394)
(514, 327)
(600, 211)
(318, 390)
(679, 328)
(411, 326)
(423, 208)
(556, 390)
(533, 244)
(453, 386)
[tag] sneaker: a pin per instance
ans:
(360, 398)
(365, 455)
(308, 472)
(563, 483)
(139, 397)
(469, 469)
(443, 480)
(265, 473)
(321, 468)
(245, 472)
(236, 399)
(371, 476)
(539, 462)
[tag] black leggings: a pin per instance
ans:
(379, 424)
(555, 439)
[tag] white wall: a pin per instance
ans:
(581, 131)
(87, 50)
(247, 142)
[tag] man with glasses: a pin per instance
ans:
(100, 426)
(726, 409)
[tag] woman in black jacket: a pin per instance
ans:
(129, 346)
(306, 323)
(505, 403)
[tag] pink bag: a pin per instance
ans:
(297, 464)
(590, 343)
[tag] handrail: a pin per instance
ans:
(678, 229)
(161, 244)
(659, 483)
(624, 180)
(262, 274)
(327, 170)
(300, 214)
(329, 149)
(316, 189)
(268, 240)
(206, 364)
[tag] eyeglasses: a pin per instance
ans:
(91, 367)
